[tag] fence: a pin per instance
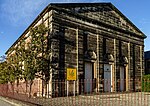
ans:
(80, 93)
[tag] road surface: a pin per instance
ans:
(5, 103)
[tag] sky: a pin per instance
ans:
(17, 15)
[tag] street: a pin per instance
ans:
(5, 103)
(10, 102)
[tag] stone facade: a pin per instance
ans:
(94, 35)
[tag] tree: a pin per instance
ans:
(35, 56)
(40, 40)
(7, 71)
(4, 76)
(30, 60)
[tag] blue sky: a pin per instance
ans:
(17, 15)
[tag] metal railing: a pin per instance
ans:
(89, 92)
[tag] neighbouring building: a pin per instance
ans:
(98, 41)
(147, 62)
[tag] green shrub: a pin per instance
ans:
(146, 83)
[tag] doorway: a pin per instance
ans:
(122, 78)
(107, 77)
(88, 77)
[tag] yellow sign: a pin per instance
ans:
(71, 74)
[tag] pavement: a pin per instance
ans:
(10, 102)
(104, 99)
(121, 99)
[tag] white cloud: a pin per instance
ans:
(22, 11)
(144, 21)
(1, 32)
(97, 1)
(18, 11)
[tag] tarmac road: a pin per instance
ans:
(10, 102)
(5, 103)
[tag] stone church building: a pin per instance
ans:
(98, 41)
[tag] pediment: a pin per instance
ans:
(112, 17)
(103, 12)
